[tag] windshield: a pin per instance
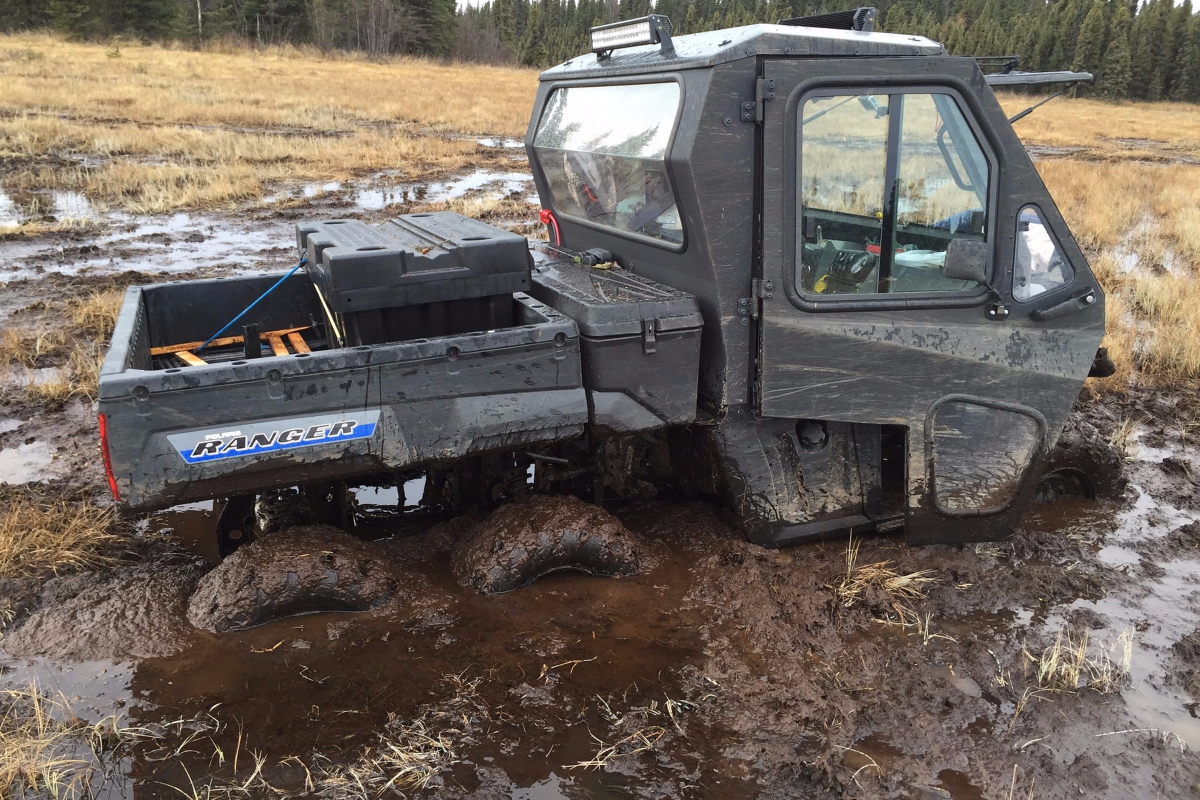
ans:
(603, 150)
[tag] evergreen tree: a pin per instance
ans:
(1190, 89)
(533, 47)
(1116, 70)
(1177, 66)
(1089, 49)
(505, 24)
(72, 17)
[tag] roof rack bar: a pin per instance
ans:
(856, 19)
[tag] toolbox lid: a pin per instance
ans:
(613, 301)
(415, 258)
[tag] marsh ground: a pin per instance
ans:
(727, 671)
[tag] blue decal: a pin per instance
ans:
(269, 437)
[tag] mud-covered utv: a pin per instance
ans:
(806, 267)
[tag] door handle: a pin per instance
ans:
(1080, 301)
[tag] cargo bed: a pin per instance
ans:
(406, 344)
(235, 425)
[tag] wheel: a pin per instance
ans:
(1065, 482)
(1083, 463)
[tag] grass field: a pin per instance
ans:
(150, 129)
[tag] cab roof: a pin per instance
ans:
(701, 50)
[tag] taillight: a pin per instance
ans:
(108, 470)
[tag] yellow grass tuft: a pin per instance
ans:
(96, 314)
(860, 578)
(42, 537)
(1070, 663)
(46, 751)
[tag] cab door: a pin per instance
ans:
(873, 169)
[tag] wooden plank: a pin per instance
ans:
(298, 343)
(277, 346)
(191, 359)
(222, 342)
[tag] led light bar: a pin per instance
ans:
(654, 29)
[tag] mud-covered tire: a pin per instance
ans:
(1084, 463)
(522, 541)
(295, 571)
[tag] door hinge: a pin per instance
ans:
(759, 290)
(752, 110)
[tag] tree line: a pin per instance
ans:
(1146, 50)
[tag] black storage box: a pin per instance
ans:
(431, 274)
(640, 342)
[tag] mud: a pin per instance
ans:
(134, 614)
(299, 570)
(523, 541)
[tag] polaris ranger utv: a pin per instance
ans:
(806, 267)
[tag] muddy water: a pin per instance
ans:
(326, 683)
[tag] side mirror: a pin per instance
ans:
(967, 260)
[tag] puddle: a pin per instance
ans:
(184, 241)
(959, 785)
(500, 142)
(1150, 517)
(17, 209)
(25, 463)
(499, 183)
(1156, 621)
(873, 754)
(10, 425)
(159, 245)
(552, 788)
(193, 524)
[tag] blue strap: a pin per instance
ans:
(246, 310)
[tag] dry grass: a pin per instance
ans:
(1071, 663)
(1129, 130)
(1139, 224)
(46, 751)
(861, 578)
(166, 129)
(65, 339)
(43, 537)
(411, 753)
(96, 314)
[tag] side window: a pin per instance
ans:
(900, 169)
(603, 150)
(843, 162)
(1039, 266)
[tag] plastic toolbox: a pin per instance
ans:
(414, 259)
(640, 343)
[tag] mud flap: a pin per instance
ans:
(978, 474)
